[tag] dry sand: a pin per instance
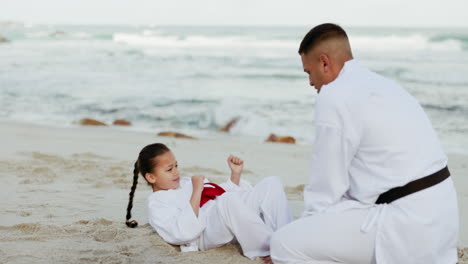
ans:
(64, 192)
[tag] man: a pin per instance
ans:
(371, 137)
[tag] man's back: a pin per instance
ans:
(393, 139)
(371, 136)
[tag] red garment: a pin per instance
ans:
(210, 193)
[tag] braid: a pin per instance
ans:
(144, 164)
(132, 223)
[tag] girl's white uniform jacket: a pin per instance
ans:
(172, 216)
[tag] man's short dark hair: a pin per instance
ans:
(321, 33)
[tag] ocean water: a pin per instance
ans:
(194, 79)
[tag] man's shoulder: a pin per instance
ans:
(355, 83)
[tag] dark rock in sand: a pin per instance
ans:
(121, 122)
(284, 139)
(57, 33)
(91, 122)
(3, 39)
(174, 134)
(11, 24)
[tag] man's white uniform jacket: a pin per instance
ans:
(371, 136)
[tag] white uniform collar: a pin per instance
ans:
(348, 65)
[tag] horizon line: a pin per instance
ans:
(27, 23)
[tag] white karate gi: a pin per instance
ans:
(371, 136)
(245, 213)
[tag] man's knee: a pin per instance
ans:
(280, 245)
(276, 246)
(291, 244)
(276, 241)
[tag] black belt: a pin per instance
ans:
(414, 186)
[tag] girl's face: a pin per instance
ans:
(165, 175)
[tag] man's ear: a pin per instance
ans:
(325, 62)
(150, 177)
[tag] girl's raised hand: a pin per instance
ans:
(236, 164)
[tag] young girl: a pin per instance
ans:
(244, 213)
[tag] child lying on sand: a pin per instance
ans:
(198, 215)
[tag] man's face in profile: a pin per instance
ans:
(313, 67)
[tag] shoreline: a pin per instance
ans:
(450, 145)
(66, 185)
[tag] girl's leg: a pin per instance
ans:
(232, 218)
(268, 199)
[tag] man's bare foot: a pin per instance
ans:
(267, 260)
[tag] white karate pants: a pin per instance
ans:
(250, 217)
(325, 239)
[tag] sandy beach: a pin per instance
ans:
(64, 192)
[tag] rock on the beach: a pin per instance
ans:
(11, 24)
(283, 139)
(174, 134)
(57, 33)
(3, 39)
(121, 122)
(229, 125)
(91, 122)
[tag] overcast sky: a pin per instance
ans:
(406, 13)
